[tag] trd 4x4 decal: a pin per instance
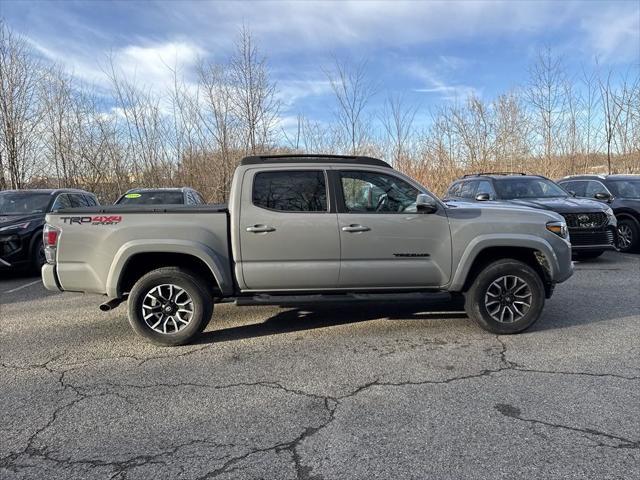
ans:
(98, 220)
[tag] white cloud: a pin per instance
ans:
(614, 35)
(435, 84)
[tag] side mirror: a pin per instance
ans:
(602, 196)
(483, 197)
(426, 204)
(572, 193)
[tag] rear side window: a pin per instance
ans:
(291, 191)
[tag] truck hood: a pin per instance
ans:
(561, 205)
(497, 207)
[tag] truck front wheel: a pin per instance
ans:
(169, 306)
(506, 297)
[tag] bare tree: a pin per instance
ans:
(353, 91)
(254, 101)
(546, 93)
(398, 122)
(20, 109)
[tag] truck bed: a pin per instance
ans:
(97, 243)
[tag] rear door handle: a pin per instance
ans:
(355, 228)
(260, 229)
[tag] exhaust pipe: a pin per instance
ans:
(111, 304)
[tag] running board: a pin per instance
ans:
(286, 300)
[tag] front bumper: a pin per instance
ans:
(14, 251)
(593, 239)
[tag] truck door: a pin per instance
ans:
(288, 231)
(384, 241)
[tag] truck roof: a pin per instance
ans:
(313, 158)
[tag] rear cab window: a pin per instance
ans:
(290, 191)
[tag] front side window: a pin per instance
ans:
(63, 201)
(468, 189)
(593, 187)
(454, 190)
(291, 191)
(519, 187)
(372, 192)
(577, 187)
(484, 186)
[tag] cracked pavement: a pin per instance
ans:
(395, 390)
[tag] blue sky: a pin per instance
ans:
(428, 51)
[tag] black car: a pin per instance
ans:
(621, 193)
(22, 214)
(161, 196)
(592, 225)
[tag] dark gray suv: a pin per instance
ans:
(592, 224)
(621, 193)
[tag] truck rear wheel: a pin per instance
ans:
(506, 297)
(169, 306)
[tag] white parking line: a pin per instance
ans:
(22, 286)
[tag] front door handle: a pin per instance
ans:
(355, 228)
(260, 229)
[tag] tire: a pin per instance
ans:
(480, 306)
(589, 255)
(628, 235)
(179, 295)
(37, 254)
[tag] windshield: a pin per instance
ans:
(625, 188)
(158, 197)
(15, 203)
(518, 187)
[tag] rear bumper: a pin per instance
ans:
(49, 278)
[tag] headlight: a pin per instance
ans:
(559, 228)
(19, 226)
(609, 212)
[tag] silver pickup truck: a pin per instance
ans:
(307, 227)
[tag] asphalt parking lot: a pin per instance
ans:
(369, 391)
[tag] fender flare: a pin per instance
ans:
(198, 250)
(478, 244)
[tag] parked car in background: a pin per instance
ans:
(301, 228)
(22, 214)
(621, 193)
(592, 225)
(161, 196)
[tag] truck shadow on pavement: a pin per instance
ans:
(304, 318)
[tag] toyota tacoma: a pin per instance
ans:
(304, 227)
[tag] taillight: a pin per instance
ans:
(50, 237)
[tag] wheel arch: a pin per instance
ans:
(535, 252)
(137, 258)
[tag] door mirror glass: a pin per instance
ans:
(602, 196)
(426, 204)
(483, 197)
